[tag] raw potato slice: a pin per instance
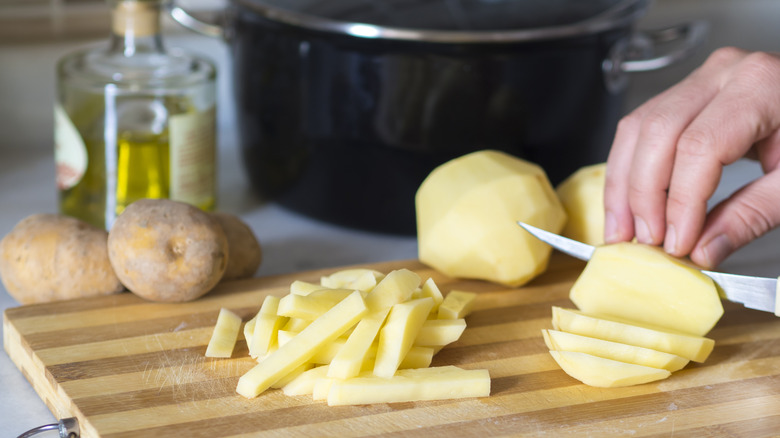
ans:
(562, 341)
(299, 287)
(249, 329)
(349, 360)
(225, 334)
(467, 213)
(321, 389)
(605, 373)
(457, 304)
(311, 306)
(435, 383)
(292, 375)
(266, 327)
(695, 348)
(359, 279)
(440, 332)
(302, 347)
(397, 335)
(582, 196)
(327, 352)
(396, 287)
(296, 325)
(417, 357)
(304, 383)
(429, 289)
(643, 284)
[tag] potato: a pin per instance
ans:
(467, 213)
(644, 284)
(695, 348)
(562, 341)
(582, 196)
(48, 257)
(164, 250)
(297, 351)
(605, 373)
(436, 383)
(244, 249)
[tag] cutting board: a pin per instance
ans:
(130, 368)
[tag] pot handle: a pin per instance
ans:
(637, 52)
(214, 30)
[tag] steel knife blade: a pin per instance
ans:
(759, 293)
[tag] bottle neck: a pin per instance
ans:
(136, 27)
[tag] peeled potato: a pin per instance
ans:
(245, 251)
(582, 196)
(48, 257)
(467, 213)
(165, 250)
(644, 284)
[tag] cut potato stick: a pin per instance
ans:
(360, 279)
(417, 357)
(302, 347)
(299, 287)
(312, 306)
(266, 326)
(225, 334)
(304, 383)
(440, 332)
(349, 360)
(398, 334)
(396, 287)
(457, 304)
(292, 375)
(435, 383)
(327, 352)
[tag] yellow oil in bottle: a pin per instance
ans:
(142, 170)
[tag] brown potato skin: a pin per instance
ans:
(169, 251)
(50, 257)
(245, 251)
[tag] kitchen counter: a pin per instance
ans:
(292, 242)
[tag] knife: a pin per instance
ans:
(759, 293)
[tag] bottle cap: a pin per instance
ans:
(136, 18)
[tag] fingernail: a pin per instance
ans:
(717, 249)
(610, 227)
(642, 231)
(670, 240)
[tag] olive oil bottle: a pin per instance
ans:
(133, 120)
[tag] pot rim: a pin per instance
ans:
(621, 14)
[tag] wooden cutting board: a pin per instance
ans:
(130, 368)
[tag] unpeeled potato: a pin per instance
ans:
(245, 251)
(49, 257)
(165, 250)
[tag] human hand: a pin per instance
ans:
(668, 155)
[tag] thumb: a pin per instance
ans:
(746, 215)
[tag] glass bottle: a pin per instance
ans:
(134, 120)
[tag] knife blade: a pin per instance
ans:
(759, 293)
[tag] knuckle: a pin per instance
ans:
(752, 220)
(696, 142)
(725, 56)
(629, 123)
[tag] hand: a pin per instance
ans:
(668, 155)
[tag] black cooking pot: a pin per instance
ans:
(345, 106)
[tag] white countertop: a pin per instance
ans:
(292, 242)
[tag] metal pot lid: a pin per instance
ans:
(462, 21)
